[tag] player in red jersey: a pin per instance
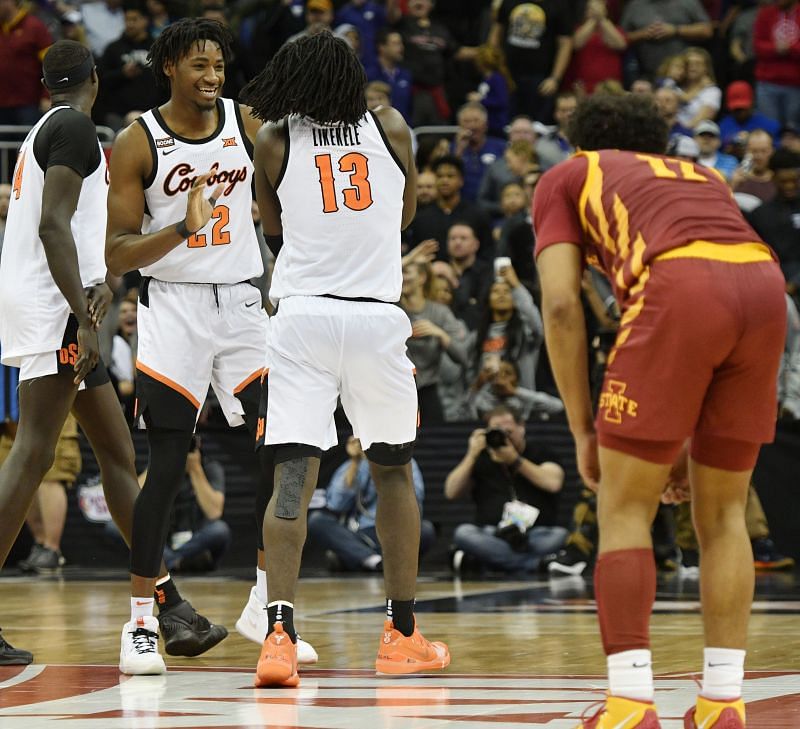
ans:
(696, 356)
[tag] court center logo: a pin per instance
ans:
(615, 404)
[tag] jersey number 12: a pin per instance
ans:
(359, 196)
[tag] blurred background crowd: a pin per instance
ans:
(489, 88)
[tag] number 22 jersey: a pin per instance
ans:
(341, 194)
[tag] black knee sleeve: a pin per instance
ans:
(386, 454)
(294, 460)
(165, 471)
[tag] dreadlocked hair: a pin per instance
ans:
(177, 40)
(318, 76)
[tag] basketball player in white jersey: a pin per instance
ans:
(52, 300)
(335, 185)
(200, 320)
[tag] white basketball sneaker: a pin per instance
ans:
(138, 653)
(252, 624)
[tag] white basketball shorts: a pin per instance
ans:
(321, 349)
(195, 335)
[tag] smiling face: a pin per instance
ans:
(198, 76)
(127, 318)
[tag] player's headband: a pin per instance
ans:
(71, 77)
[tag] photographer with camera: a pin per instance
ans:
(515, 486)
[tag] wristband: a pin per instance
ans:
(182, 230)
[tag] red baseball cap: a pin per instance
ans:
(739, 95)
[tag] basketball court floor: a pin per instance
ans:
(524, 654)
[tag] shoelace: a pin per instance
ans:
(144, 641)
(600, 703)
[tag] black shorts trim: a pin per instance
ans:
(67, 356)
(160, 406)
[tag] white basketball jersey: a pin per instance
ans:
(226, 249)
(341, 196)
(33, 311)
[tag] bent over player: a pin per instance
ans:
(52, 299)
(696, 356)
(179, 209)
(335, 185)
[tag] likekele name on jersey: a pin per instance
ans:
(181, 177)
(345, 135)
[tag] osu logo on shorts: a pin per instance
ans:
(615, 403)
(68, 354)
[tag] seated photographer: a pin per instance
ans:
(345, 528)
(515, 486)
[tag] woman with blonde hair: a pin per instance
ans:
(701, 96)
(495, 89)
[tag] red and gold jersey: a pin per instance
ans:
(625, 209)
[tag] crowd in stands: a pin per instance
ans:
(494, 84)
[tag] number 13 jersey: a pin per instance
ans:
(225, 250)
(341, 194)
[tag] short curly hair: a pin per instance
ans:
(630, 122)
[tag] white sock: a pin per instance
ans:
(372, 561)
(261, 585)
(723, 673)
(141, 607)
(630, 675)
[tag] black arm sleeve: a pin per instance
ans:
(68, 138)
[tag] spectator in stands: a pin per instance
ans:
(671, 72)
(510, 328)
(237, 69)
(518, 156)
(434, 331)
(345, 528)
(5, 199)
(642, 86)
(658, 29)
(502, 472)
(128, 85)
(556, 147)
(495, 387)
(753, 176)
(104, 21)
(776, 38)
(318, 16)
(469, 276)
(668, 101)
(426, 187)
(435, 219)
(23, 41)
(123, 356)
(512, 204)
(684, 148)
(789, 136)
(707, 136)
(428, 46)
(378, 94)
(48, 512)
(778, 221)
(474, 147)
(516, 239)
(369, 18)
(537, 39)
(701, 95)
(598, 47)
(494, 90)
(521, 130)
(740, 40)
(350, 35)
(389, 69)
(742, 116)
(159, 17)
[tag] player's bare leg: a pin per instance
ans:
(285, 533)
(625, 584)
(44, 403)
(402, 649)
(727, 576)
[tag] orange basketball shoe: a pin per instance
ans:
(710, 714)
(277, 665)
(619, 713)
(398, 654)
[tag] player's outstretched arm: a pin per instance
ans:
(399, 136)
(126, 247)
